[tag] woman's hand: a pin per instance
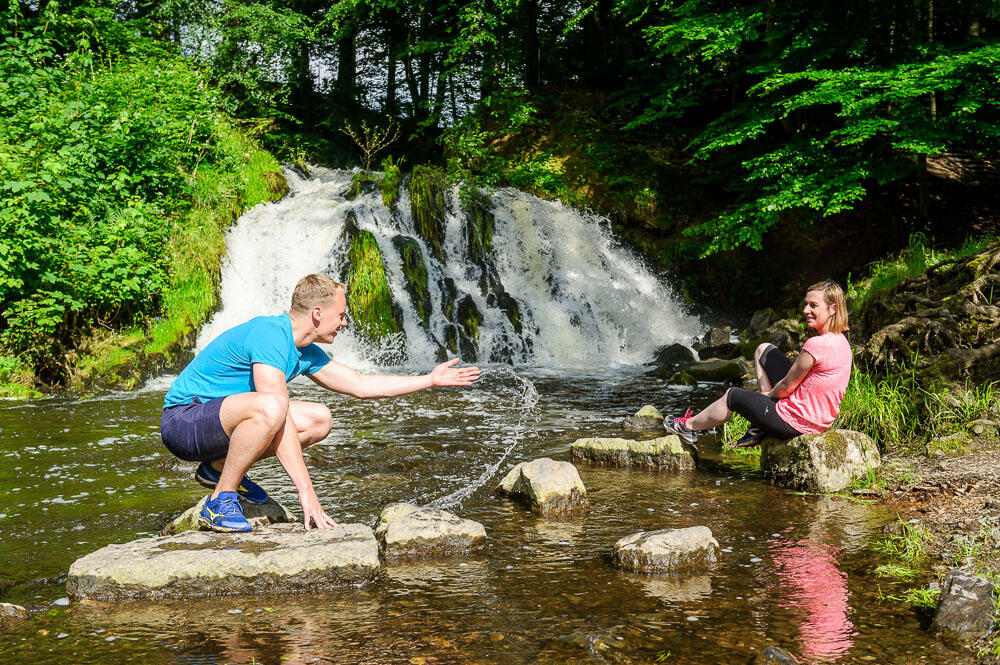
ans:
(446, 374)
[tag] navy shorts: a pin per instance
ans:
(758, 408)
(193, 432)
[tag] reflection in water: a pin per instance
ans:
(818, 589)
(679, 590)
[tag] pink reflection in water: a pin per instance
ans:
(810, 569)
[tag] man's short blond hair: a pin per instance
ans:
(313, 290)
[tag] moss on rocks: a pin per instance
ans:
(415, 272)
(479, 223)
(388, 184)
(368, 287)
(427, 187)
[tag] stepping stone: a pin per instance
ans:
(283, 558)
(548, 487)
(825, 462)
(644, 420)
(407, 531)
(665, 452)
(667, 550)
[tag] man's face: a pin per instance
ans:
(331, 318)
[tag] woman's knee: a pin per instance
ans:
(761, 350)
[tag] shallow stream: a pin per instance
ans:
(77, 473)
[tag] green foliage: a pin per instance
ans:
(916, 259)
(109, 140)
(908, 544)
(392, 178)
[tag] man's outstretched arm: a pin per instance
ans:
(342, 379)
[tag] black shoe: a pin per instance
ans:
(679, 427)
(752, 437)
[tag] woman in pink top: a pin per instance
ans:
(792, 398)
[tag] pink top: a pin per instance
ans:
(814, 405)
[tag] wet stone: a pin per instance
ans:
(966, 606)
(427, 532)
(547, 486)
(665, 452)
(648, 418)
(283, 558)
(667, 550)
(718, 370)
(10, 613)
(258, 514)
(826, 462)
(775, 656)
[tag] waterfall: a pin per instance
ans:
(506, 277)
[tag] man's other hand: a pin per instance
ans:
(312, 511)
(446, 374)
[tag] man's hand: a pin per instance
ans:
(446, 374)
(311, 510)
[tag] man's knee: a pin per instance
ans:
(317, 422)
(272, 408)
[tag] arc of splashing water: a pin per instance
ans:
(529, 400)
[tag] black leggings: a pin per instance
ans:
(758, 408)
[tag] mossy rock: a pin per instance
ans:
(427, 186)
(479, 223)
(648, 418)
(370, 297)
(716, 369)
(389, 184)
(682, 379)
(826, 462)
(415, 271)
(362, 182)
(665, 452)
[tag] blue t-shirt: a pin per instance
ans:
(225, 366)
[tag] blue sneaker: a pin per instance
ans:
(224, 514)
(248, 489)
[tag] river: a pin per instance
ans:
(79, 472)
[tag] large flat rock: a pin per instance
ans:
(548, 487)
(284, 558)
(665, 452)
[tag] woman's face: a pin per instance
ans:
(817, 312)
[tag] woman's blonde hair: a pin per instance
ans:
(833, 295)
(314, 290)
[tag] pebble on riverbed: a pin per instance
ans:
(547, 486)
(408, 531)
(667, 550)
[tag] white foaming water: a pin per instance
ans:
(522, 395)
(582, 300)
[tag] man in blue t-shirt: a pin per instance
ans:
(230, 406)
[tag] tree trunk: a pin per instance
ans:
(395, 42)
(347, 69)
(532, 57)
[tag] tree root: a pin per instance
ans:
(945, 321)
